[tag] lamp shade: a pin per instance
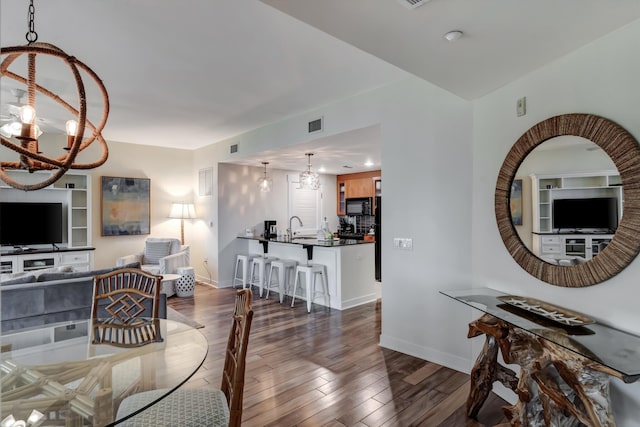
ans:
(182, 211)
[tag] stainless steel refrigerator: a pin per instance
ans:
(378, 230)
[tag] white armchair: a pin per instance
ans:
(160, 256)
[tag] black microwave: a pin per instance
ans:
(359, 206)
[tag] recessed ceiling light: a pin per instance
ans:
(453, 35)
(368, 163)
(322, 169)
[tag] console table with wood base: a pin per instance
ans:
(564, 369)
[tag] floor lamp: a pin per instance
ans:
(182, 211)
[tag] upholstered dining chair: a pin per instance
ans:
(201, 407)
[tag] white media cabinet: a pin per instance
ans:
(38, 259)
(73, 190)
(547, 242)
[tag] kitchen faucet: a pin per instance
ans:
(290, 229)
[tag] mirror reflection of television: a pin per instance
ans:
(599, 213)
(24, 224)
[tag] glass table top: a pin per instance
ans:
(60, 371)
(605, 345)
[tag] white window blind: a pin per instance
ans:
(307, 204)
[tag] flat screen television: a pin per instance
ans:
(24, 224)
(599, 213)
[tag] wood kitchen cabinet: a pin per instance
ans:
(362, 184)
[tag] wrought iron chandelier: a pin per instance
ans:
(264, 182)
(309, 180)
(24, 138)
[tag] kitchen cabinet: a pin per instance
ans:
(341, 185)
(360, 187)
(362, 184)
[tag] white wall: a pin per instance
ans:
(427, 172)
(242, 205)
(170, 172)
(601, 78)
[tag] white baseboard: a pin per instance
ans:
(354, 302)
(206, 281)
(427, 353)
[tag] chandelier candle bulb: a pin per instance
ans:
(27, 117)
(72, 129)
(27, 114)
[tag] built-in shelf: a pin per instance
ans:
(73, 190)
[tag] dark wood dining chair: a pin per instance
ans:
(199, 407)
(125, 308)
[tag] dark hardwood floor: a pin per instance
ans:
(327, 369)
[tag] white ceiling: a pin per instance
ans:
(354, 151)
(186, 74)
(503, 39)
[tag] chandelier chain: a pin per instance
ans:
(31, 35)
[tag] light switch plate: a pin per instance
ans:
(521, 106)
(403, 243)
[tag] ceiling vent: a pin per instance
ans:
(315, 125)
(412, 4)
(233, 148)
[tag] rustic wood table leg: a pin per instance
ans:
(556, 386)
(487, 370)
(483, 376)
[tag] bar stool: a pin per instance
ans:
(244, 260)
(285, 268)
(262, 262)
(310, 272)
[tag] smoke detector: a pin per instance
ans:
(453, 35)
(412, 4)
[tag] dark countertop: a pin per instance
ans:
(310, 241)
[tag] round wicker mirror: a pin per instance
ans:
(624, 151)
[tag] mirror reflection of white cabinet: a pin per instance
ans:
(547, 188)
(569, 249)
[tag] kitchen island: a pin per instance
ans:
(350, 265)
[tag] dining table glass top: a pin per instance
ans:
(616, 349)
(74, 373)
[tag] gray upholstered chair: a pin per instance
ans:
(160, 256)
(201, 407)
